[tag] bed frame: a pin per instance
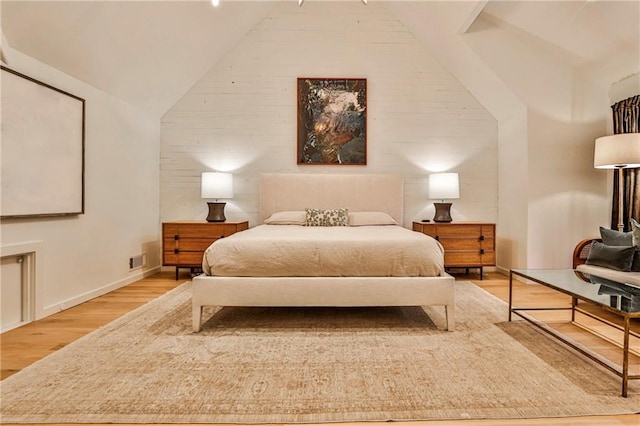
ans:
(281, 192)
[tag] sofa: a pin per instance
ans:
(608, 257)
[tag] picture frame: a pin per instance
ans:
(332, 121)
(42, 158)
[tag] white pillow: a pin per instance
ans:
(370, 219)
(287, 218)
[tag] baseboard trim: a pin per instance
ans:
(502, 270)
(85, 297)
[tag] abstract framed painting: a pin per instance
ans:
(332, 121)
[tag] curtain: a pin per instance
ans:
(626, 120)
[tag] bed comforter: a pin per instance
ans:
(340, 251)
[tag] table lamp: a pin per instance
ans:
(216, 185)
(443, 186)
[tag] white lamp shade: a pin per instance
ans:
(216, 185)
(621, 150)
(444, 186)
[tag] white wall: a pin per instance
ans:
(445, 38)
(241, 116)
(83, 256)
(567, 109)
(549, 112)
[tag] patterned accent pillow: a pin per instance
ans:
(332, 217)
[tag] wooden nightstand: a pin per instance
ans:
(184, 242)
(466, 244)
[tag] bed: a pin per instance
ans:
(286, 264)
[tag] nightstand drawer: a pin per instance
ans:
(182, 231)
(462, 259)
(465, 259)
(459, 243)
(459, 231)
(489, 258)
(185, 259)
(188, 244)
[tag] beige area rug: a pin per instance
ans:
(288, 365)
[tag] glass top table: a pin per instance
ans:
(622, 299)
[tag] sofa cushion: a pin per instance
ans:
(614, 257)
(611, 274)
(635, 265)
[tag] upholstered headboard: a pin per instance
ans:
(297, 191)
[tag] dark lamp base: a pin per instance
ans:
(443, 212)
(216, 212)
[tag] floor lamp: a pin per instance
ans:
(621, 151)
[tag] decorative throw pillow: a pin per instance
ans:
(611, 237)
(287, 218)
(332, 217)
(635, 232)
(613, 257)
(635, 265)
(370, 219)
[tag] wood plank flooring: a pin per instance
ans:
(25, 345)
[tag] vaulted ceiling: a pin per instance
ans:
(150, 53)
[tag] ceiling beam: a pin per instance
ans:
(3, 47)
(302, 1)
(473, 15)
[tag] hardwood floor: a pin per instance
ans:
(25, 345)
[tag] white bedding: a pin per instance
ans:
(303, 251)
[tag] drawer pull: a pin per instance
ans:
(176, 251)
(221, 236)
(481, 251)
(481, 237)
(437, 237)
(176, 237)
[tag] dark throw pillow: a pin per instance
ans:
(612, 237)
(635, 266)
(635, 231)
(612, 257)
